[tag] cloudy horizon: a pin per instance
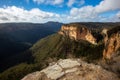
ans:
(40, 11)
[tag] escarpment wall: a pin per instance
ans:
(77, 32)
(112, 43)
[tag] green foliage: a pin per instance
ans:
(46, 47)
(19, 71)
(57, 46)
(84, 49)
(91, 52)
(113, 30)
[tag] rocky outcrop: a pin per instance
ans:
(71, 69)
(112, 42)
(77, 32)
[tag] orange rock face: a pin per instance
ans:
(112, 44)
(77, 32)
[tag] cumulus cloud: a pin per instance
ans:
(39, 1)
(107, 5)
(81, 2)
(70, 3)
(16, 14)
(51, 2)
(114, 18)
(93, 12)
(84, 12)
(118, 14)
(57, 1)
(4, 18)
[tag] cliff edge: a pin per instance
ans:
(71, 69)
(77, 32)
(112, 42)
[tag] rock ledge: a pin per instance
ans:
(72, 69)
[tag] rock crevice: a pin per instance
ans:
(112, 43)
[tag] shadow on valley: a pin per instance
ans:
(17, 38)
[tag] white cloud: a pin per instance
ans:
(118, 14)
(39, 1)
(58, 1)
(107, 5)
(93, 12)
(16, 14)
(84, 12)
(70, 3)
(116, 17)
(81, 2)
(50, 2)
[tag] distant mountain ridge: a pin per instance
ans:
(29, 32)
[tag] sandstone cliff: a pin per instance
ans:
(77, 32)
(72, 69)
(112, 42)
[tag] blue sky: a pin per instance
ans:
(40, 11)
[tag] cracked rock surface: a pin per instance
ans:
(72, 69)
